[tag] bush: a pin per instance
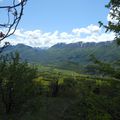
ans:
(16, 82)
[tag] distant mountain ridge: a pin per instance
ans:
(67, 55)
(81, 44)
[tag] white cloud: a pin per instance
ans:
(38, 38)
(88, 30)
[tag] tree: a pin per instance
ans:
(113, 26)
(14, 13)
(16, 82)
(104, 68)
(114, 23)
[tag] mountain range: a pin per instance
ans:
(68, 56)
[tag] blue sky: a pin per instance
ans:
(63, 15)
(48, 22)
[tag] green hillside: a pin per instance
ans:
(72, 56)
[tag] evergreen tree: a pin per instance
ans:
(114, 22)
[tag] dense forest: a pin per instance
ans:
(77, 81)
(34, 93)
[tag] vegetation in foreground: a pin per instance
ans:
(30, 93)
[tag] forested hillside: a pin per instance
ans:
(68, 56)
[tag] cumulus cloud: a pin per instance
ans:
(38, 38)
(88, 30)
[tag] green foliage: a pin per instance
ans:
(78, 97)
(104, 68)
(16, 82)
(86, 108)
(114, 24)
(69, 87)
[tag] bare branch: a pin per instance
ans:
(14, 14)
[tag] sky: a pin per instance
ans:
(48, 22)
